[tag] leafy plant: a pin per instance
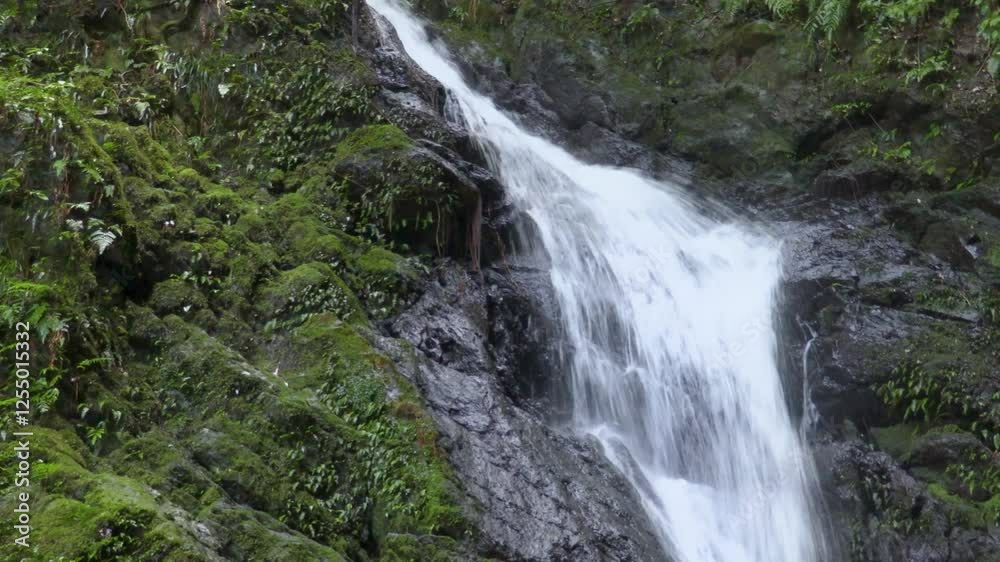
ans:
(929, 67)
(641, 18)
(826, 17)
(851, 109)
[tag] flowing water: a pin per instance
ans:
(669, 315)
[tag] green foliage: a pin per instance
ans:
(303, 292)
(852, 109)
(978, 473)
(328, 99)
(187, 186)
(929, 67)
(780, 8)
(642, 18)
(989, 30)
(406, 484)
(884, 148)
(935, 398)
(922, 395)
(827, 17)
(121, 538)
(884, 21)
(896, 12)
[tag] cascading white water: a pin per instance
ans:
(669, 318)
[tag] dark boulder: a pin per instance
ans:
(949, 241)
(854, 180)
(941, 448)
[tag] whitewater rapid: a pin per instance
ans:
(670, 319)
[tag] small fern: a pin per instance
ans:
(826, 17)
(102, 239)
(781, 8)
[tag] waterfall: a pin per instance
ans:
(669, 315)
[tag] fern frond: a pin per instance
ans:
(778, 8)
(102, 239)
(781, 8)
(826, 17)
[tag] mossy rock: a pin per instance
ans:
(220, 203)
(384, 280)
(325, 350)
(205, 371)
(83, 514)
(728, 130)
(979, 515)
(309, 240)
(897, 440)
(257, 536)
(379, 140)
(149, 150)
(312, 288)
(244, 476)
(160, 461)
(176, 296)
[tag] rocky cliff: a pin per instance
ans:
(871, 150)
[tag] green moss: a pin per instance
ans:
(135, 148)
(251, 227)
(220, 203)
(384, 280)
(193, 180)
(363, 389)
(83, 515)
(157, 460)
(966, 512)
(72, 524)
(309, 289)
(373, 139)
(286, 211)
(237, 468)
(311, 246)
(407, 548)
(993, 257)
(200, 372)
(249, 266)
(176, 296)
(381, 262)
(897, 440)
(259, 537)
(203, 434)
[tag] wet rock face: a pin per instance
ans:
(912, 526)
(861, 286)
(854, 180)
(481, 346)
(482, 358)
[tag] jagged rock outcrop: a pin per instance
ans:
(538, 493)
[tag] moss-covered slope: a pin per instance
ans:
(191, 222)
